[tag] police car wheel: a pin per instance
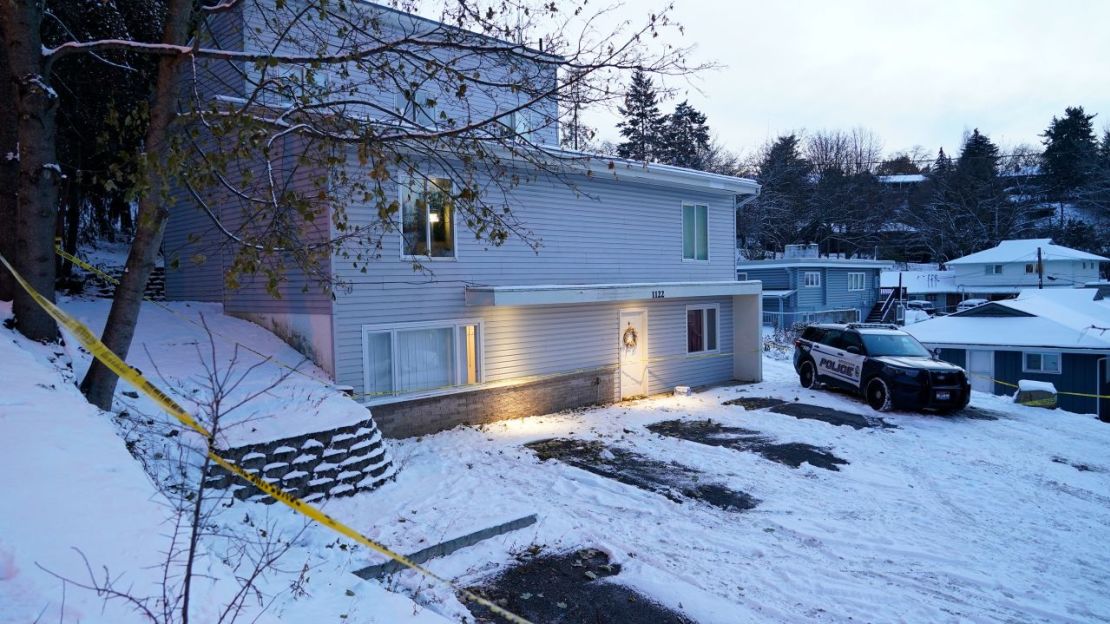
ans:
(807, 375)
(878, 395)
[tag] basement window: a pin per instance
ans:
(421, 357)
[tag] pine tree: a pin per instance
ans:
(781, 214)
(642, 127)
(979, 158)
(1104, 150)
(1070, 151)
(685, 138)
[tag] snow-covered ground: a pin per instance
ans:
(937, 520)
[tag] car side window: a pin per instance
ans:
(832, 338)
(814, 334)
(849, 339)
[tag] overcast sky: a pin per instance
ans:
(916, 74)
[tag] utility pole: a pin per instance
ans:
(1040, 270)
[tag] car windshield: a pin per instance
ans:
(893, 344)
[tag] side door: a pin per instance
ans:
(835, 364)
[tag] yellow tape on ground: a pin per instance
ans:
(101, 352)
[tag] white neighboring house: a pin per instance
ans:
(999, 272)
(1057, 336)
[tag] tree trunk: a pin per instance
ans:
(99, 384)
(9, 170)
(37, 190)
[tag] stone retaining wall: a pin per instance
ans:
(483, 405)
(312, 467)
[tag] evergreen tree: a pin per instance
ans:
(642, 127)
(1104, 150)
(1070, 151)
(978, 159)
(781, 214)
(685, 138)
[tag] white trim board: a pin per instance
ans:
(596, 293)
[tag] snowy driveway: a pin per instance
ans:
(934, 519)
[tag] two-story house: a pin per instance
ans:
(631, 290)
(1000, 272)
(802, 287)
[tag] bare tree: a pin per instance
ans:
(251, 549)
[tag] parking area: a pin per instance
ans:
(766, 502)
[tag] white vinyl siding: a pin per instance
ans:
(1041, 363)
(702, 328)
(695, 232)
(856, 281)
(421, 357)
(811, 279)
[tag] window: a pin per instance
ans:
(421, 357)
(811, 279)
(994, 269)
(701, 329)
(1030, 268)
(418, 107)
(427, 218)
(1041, 363)
(695, 232)
(855, 281)
(741, 277)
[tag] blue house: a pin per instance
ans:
(1060, 336)
(805, 288)
(630, 291)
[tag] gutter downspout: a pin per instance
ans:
(1098, 388)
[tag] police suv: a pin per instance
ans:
(889, 367)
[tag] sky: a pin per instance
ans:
(915, 74)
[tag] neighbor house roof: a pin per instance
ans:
(795, 263)
(1025, 250)
(1053, 319)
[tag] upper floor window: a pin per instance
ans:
(1030, 268)
(701, 328)
(856, 281)
(994, 269)
(1041, 363)
(427, 218)
(695, 232)
(418, 107)
(811, 279)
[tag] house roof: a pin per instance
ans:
(600, 166)
(902, 178)
(1025, 250)
(1057, 318)
(795, 263)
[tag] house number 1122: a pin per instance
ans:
(657, 294)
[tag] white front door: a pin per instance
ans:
(633, 349)
(980, 365)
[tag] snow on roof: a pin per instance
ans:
(902, 178)
(813, 262)
(1062, 318)
(1024, 250)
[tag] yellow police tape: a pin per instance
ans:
(101, 352)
